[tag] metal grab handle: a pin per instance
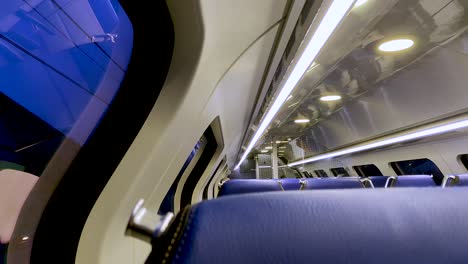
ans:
(280, 185)
(390, 181)
(303, 184)
(145, 225)
(366, 180)
(446, 179)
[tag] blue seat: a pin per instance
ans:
(290, 184)
(410, 181)
(378, 181)
(455, 180)
(333, 183)
(405, 226)
(240, 186)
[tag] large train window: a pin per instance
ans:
(340, 172)
(321, 173)
(418, 166)
(367, 170)
(464, 160)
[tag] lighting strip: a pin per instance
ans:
(386, 142)
(330, 21)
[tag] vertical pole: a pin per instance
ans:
(274, 160)
(257, 169)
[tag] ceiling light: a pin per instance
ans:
(283, 147)
(360, 3)
(330, 21)
(301, 121)
(289, 97)
(263, 151)
(268, 147)
(329, 98)
(289, 139)
(386, 142)
(396, 45)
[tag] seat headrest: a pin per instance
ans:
(15, 187)
(291, 184)
(412, 181)
(241, 186)
(378, 181)
(355, 226)
(333, 183)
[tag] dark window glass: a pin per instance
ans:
(321, 173)
(417, 167)
(367, 170)
(167, 204)
(464, 160)
(340, 172)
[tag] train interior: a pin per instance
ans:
(266, 131)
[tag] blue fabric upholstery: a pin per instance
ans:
(291, 184)
(457, 180)
(413, 181)
(385, 226)
(239, 186)
(333, 183)
(378, 181)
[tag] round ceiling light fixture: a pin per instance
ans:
(396, 45)
(329, 98)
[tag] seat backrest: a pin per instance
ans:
(15, 187)
(427, 225)
(378, 181)
(411, 181)
(240, 186)
(333, 183)
(291, 184)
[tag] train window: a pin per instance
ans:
(220, 165)
(321, 173)
(339, 172)
(464, 160)
(367, 170)
(199, 168)
(167, 205)
(418, 166)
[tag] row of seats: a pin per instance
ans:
(240, 186)
(416, 225)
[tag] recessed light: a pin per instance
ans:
(301, 121)
(396, 45)
(268, 147)
(329, 98)
(263, 151)
(283, 147)
(360, 3)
